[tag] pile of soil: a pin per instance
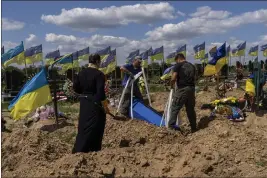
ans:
(134, 148)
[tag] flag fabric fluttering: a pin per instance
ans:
(167, 73)
(104, 53)
(241, 48)
(34, 54)
(51, 56)
(213, 51)
(217, 62)
(170, 58)
(15, 55)
(144, 56)
(157, 54)
(131, 56)
(83, 55)
(253, 51)
(205, 59)
(149, 51)
(199, 51)
(35, 93)
(182, 50)
(264, 50)
(68, 58)
(234, 52)
(109, 65)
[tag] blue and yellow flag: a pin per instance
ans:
(241, 48)
(167, 73)
(205, 59)
(34, 94)
(15, 55)
(264, 50)
(213, 51)
(149, 51)
(253, 51)
(131, 56)
(34, 54)
(51, 56)
(182, 50)
(200, 51)
(83, 54)
(170, 58)
(66, 61)
(2, 50)
(234, 52)
(144, 56)
(217, 62)
(104, 53)
(109, 65)
(157, 54)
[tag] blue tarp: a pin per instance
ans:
(146, 113)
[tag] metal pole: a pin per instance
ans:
(147, 91)
(55, 94)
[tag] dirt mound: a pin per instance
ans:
(134, 148)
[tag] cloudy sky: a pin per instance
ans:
(128, 25)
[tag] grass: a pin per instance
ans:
(67, 107)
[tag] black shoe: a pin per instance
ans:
(194, 130)
(175, 127)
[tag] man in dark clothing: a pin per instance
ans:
(130, 70)
(184, 74)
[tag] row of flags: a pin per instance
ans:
(219, 57)
(108, 57)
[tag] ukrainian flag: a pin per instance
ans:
(182, 50)
(170, 58)
(167, 73)
(219, 60)
(144, 56)
(234, 52)
(104, 53)
(149, 51)
(2, 50)
(34, 94)
(50, 57)
(109, 65)
(200, 51)
(264, 49)
(254, 51)
(213, 51)
(241, 49)
(157, 54)
(15, 55)
(132, 56)
(34, 54)
(67, 61)
(83, 55)
(205, 59)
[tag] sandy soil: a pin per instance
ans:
(134, 148)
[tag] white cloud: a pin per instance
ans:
(68, 44)
(31, 41)
(86, 19)
(9, 45)
(207, 22)
(206, 13)
(31, 38)
(8, 24)
(181, 13)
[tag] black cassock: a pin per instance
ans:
(90, 83)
